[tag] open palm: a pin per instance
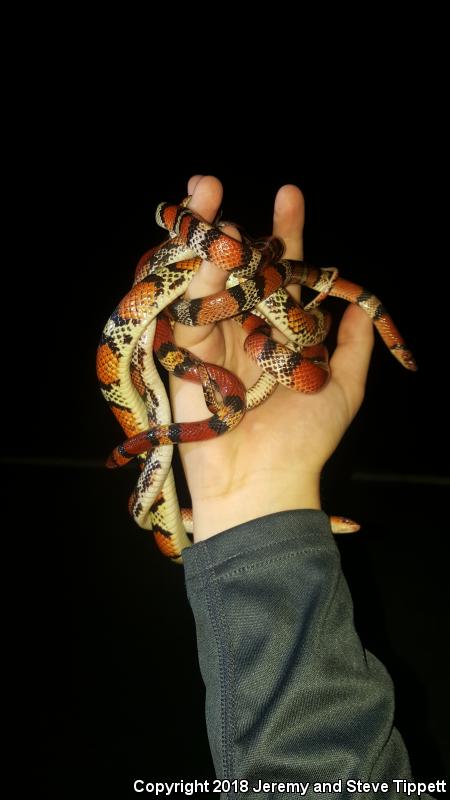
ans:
(272, 461)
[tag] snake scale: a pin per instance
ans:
(256, 297)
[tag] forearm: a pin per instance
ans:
(291, 693)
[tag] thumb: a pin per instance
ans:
(350, 361)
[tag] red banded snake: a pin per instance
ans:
(256, 297)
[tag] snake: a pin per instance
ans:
(256, 297)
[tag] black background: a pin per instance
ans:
(112, 685)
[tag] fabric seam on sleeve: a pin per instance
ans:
(329, 543)
(266, 561)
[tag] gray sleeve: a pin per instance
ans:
(291, 695)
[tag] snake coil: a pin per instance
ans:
(256, 297)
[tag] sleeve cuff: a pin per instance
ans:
(303, 528)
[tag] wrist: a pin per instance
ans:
(214, 513)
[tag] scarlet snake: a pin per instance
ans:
(142, 322)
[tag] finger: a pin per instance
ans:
(350, 361)
(192, 183)
(207, 193)
(289, 219)
(288, 222)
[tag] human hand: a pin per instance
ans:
(273, 459)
